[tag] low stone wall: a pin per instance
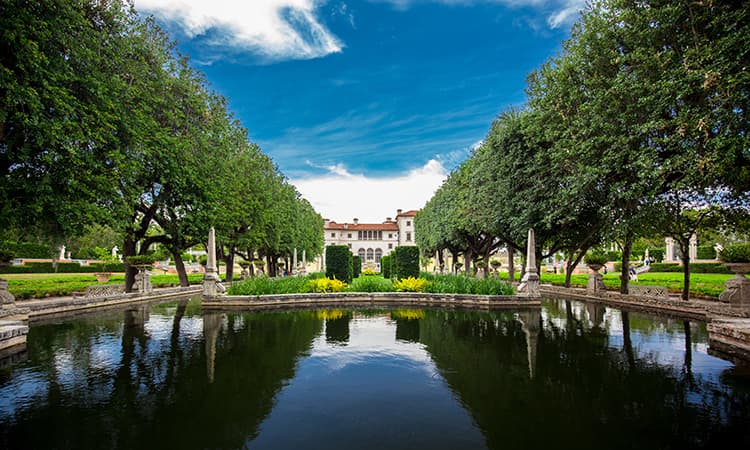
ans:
(104, 290)
(641, 290)
(730, 337)
(372, 298)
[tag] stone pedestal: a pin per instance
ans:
(143, 280)
(212, 286)
(693, 249)
(737, 290)
(7, 300)
(596, 284)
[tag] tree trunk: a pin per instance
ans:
(625, 269)
(571, 266)
(627, 343)
(441, 262)
(128, 249)
(229, 261)
(468, 260)
(511, 264)
(181, 272)
(685, 258)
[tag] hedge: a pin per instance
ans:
(339, 263)
(356, 266)
(62, 267)
(385, 266)
(405, 262)
(706, 252)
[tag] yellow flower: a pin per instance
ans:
(410, 284)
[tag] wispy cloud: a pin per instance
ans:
(341, 195)
(558, 13)
(270, 29)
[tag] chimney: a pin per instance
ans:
(356, 221)
(388, 219)
(398, 212)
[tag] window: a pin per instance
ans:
(390, 246)
(378, 255)
(361, 254)
(408, 236)
(380, 235)
(333, 234)
(350, 245)
(359, 235)
(370, 254)
(408, 223)
(390, 235)
(349, 235)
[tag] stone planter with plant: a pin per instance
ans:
(595, 260)
(143, 278)
(737, 258)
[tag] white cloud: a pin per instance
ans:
(559, 12)
(340, 195)
(271, 29)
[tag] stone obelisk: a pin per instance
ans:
(211, 281)
(530, 282)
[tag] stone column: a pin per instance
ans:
(212, 286)
(693, 253)
(294, 263)
(304, 261)
(595, 284)
(669, 257)
(530, 282)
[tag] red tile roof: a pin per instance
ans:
(410, 213)
(385, 226)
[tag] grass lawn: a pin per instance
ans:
(701, 284)
(39, 285)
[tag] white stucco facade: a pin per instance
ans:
(371, 241)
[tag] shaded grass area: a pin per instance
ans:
(40, 285)
(701, 284)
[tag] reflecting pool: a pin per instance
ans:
(571, 375)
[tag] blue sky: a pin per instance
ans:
(370, 99)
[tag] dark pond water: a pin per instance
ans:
(572, 376)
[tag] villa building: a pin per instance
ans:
(372, 241)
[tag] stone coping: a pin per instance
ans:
(370, 298)
(73, 305)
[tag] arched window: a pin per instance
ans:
(361, 254)
(370, 254)
(378, 255)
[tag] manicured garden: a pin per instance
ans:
(40, 285)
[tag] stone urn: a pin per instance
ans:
(143, 279)
(102, 277)
(595, 284)
(737, 290)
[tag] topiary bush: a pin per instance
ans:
(339, 263)
(385, 266)
(356, 266)
(140, 260)
(405, 262)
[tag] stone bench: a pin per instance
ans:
(640, 290)
(104, 290)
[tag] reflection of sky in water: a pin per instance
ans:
(375, 389)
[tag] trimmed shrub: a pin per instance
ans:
(694, 268)
(405, 262)
(140, 260)
(706, 252)
(371, 284)
(657, 254)
(385, 266)
(356, 266)
(339, 263)
(735, 253)
(457, 284)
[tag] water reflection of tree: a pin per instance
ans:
(157, 394)
(586, 393)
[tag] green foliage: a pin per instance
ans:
(706, 252)
(676, 267)
(371, 283)
(140, 260)
(267, 286)
(458, 284)
(27, 249)
(339, 263)
(386, 264)
(735, 253)
(405, 262)
(356, 266)
(596, 257)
